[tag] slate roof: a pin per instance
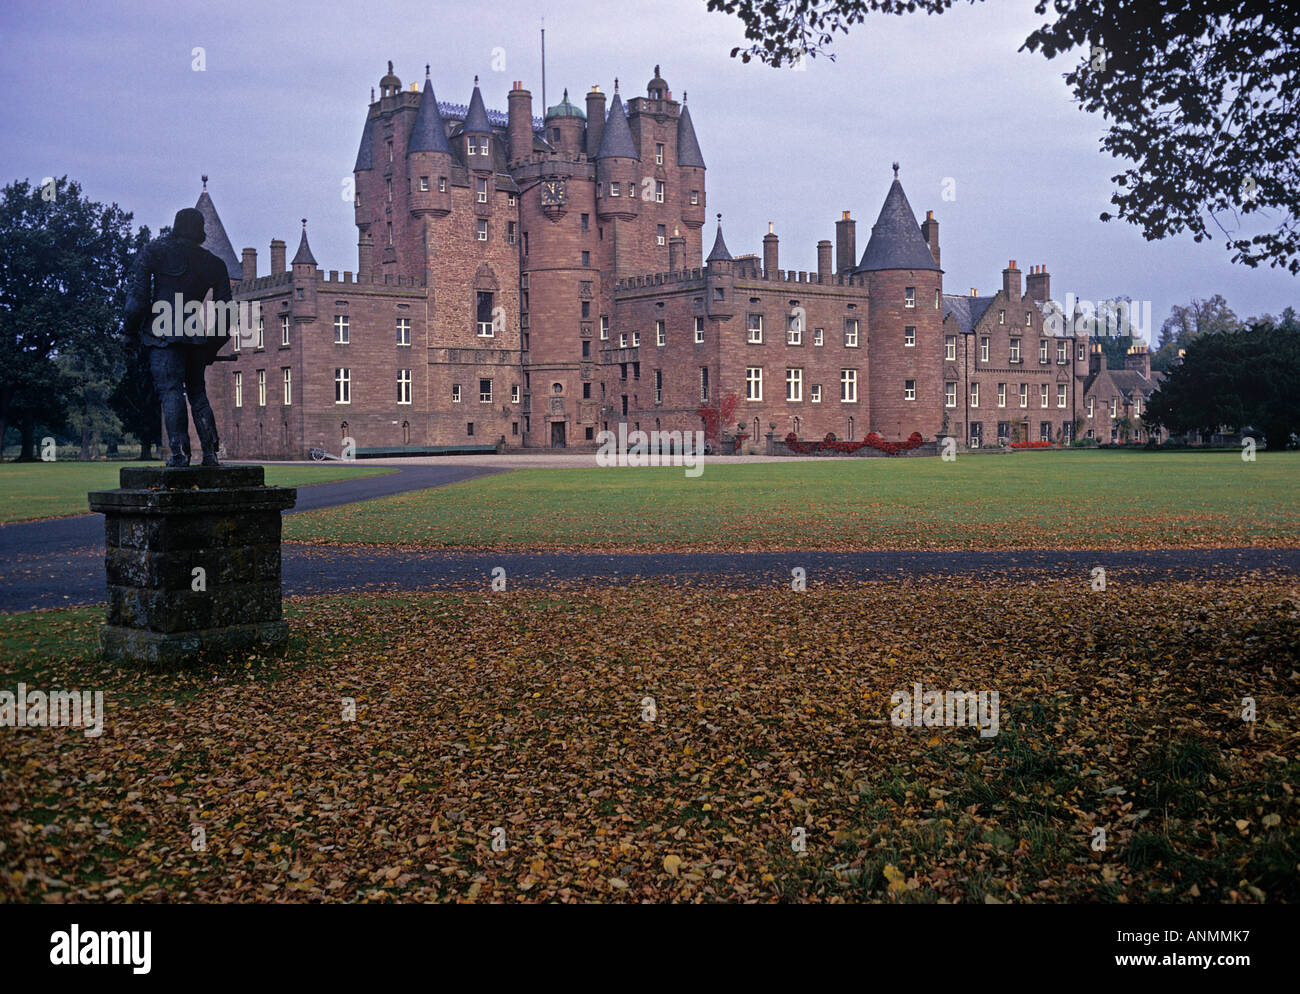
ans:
(688, 147)
(303, 257)
(1130, 380)
(428, 134)
(719, 253)
(476, 118)
(896, 240)
(565, 109)
(215, 239)
(365, 155)
(967, 311)
(617, 139)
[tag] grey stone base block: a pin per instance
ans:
(135, 647)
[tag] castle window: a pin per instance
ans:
(239, 389)
(469, 428)
(661, 235)
(1083, 352)
(390, 242)
(484, 313)
(1029, 322)
(1090, 400)
(950, 348)
(512, 232)
(389, 184)
(1114, 412)
(815, 393)
(661, 334)
(586, 259)
(659, 191)
(754, 322)
(819, 336)
(848, 386)
(403, 386)
(485, 391)
(482, 146)
(555, 134)
(850, 333)
(974, 395)
(622, 342)
(586, 392)
(342, 385)
(1045, 431)
(511, 200)
(455, 393)
(1060, 395)
(586, 349)
(284, 329)
(586, 221)
(754, 383)
(695, 197)
(287, 379)
(1015, 350)
(390, 151)
(909, 389)
(794, 330)
(614, 189)
(1002, 395)
(794, 384)
(604, 327)
(234, 342)
(659, 386)
(909, 336)
(586, 308)
(936, 300)
(514, 392)
(909, 297)
(261, 333)
(1042, 394)
(342, 329)
(1042, 350)
(699, 331)
(481, 229)
(1024, 395)
(950, 393)
(481, 191)
(1002, 317)
(1062, 353)
(442, 184)
(984, 350)
(704, 383)
(659, 153)
(719, 293)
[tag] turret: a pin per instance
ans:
(691, 164)
(304, 280)
(477, 133)
(721, 299)
(428, 158)
(566, 128)
(617, 165)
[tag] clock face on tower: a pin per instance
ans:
(553, 193)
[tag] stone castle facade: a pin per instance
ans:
(535, 281)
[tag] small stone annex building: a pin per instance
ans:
(538, 280)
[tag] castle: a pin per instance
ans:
(539, 280)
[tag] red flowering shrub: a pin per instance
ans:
(831, 444)
(1030, 445)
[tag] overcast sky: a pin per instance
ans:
(106, 94)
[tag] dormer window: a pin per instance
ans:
(482, 146)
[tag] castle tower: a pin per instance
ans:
(905, 285)
(215, 239)
(566, 126)
(428, 158)
(690, 162)
(304, 280)
(519, 110)
(617, 166)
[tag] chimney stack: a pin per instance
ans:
(1011, 282)
(249, 261)
(770, 246)
(846, 244)
(824, 260)
(277, 257)
(930, 232)
(519, 117)
(595, 121)
(1138, 359)
(365, 254)
(1038, 285)
(676, 251)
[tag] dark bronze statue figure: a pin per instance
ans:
(165, 301)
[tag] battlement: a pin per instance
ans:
(747, 273)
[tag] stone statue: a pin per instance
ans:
(169, 281)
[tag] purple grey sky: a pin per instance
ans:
(105, 93)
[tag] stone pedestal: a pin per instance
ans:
(192, 558)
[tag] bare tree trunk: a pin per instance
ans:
(27, 426)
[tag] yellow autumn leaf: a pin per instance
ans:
(671, 864)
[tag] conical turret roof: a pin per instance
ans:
(896, 239)
(688, 147)
(215, 239)
(476, 119)
(303, 257)
(429, 133)
(719, 252)
(365, 155)
(617, 139)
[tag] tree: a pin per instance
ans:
(1186, 323)
(63, 263)
(717, 416)
(1246, 379)
(1200, 98)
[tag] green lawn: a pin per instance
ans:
(1071, 499)
(54, 489)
